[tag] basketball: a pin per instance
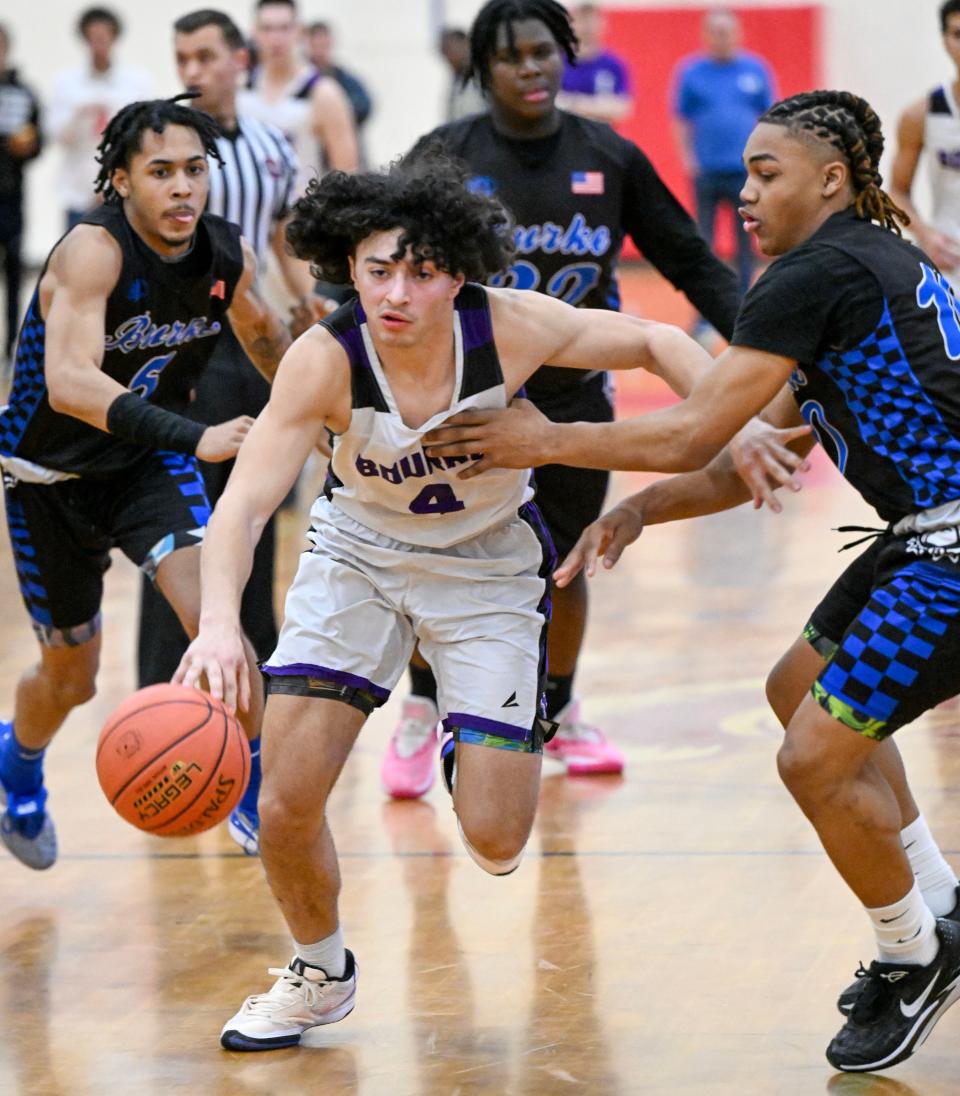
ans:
(172, 761)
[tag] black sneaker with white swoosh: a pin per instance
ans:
(848, 998)
(897, 1007)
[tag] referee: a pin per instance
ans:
(252, 187)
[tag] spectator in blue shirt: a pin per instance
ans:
(598, 85)
(718, 96)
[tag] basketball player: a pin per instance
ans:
(866, 330)
(398, 554)
(932, 127)
(575, 189)
(310, 109)
(95, 449)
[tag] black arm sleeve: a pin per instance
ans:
(668, 237)
(135, 420)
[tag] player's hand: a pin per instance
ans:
(943, 249)
(217, 654)
(764, 462)
(607, 537)
(222, 442)
(512, 437)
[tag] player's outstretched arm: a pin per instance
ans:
(262, 334)
(681, 438)
(310, 387)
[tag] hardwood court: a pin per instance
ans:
(676, 931)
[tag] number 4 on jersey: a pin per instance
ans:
(436, 498)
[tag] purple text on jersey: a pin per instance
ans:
(578, 238)
(139, 333)
(416, 466)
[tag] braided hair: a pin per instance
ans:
(123, 137)
(497, 13)
(852, 127)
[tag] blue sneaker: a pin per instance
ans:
(244, 827)
(26, 828)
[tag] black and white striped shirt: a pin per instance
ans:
(256, 183)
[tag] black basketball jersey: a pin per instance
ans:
(875, 331)
(574, 195)
(162, 321)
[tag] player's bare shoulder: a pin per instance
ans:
(314, 377)
(87, 262)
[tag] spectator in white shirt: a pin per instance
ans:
(84, 99)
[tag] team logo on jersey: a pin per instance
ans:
(935, 290)
(481, 184)
(140, 333)
(949, 158)
(586, 182)
(137, 291)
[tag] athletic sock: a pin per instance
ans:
(248, 802)
(22, 768)
(559, 691)
(328, 954)
(935, 878)
(905, 930)
(422, 682)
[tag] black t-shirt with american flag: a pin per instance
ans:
(574, 196)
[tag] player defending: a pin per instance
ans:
(865, 328)
(402, 549)
(95, 449)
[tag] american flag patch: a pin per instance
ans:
(586, 182)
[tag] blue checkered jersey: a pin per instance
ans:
(162, 319)
(875, 331)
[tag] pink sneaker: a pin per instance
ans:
(582, 748)
(408, 766)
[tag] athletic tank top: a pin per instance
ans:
(291, 114)
(379, 473)
(160, 329)
(941, 143)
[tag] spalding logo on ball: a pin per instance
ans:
(172, 761)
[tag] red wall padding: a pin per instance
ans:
(652, 41)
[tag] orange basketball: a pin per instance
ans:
(172, 761)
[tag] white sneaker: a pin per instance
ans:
(302, 997)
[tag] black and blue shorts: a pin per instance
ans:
(889, 628)
(62, 533)
(569, 499)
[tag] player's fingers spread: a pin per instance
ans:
(215, 680)
(571, 566)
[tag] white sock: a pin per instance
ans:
(905, 930)
(936, 879)
(327, 954)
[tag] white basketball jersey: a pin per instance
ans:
(941, 142)
(292, 115)
(379, 473)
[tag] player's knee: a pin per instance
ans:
(73, 688)
(804, 772)
(285, 822)
(498, 853)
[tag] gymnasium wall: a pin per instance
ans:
(887, 50)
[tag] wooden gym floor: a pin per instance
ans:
(675, 931)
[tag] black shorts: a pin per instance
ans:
(62, 534)
(890, 629)
(570, 498)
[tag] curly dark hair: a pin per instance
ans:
(460, 231)
(123, 137)
(852, 127)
